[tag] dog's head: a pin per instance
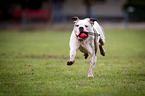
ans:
(83, 27)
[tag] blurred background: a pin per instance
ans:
(57, 14)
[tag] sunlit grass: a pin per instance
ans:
(34, 63)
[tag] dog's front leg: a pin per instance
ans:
(74, 45)
(93, 59)
(92, 65)
(72, 55)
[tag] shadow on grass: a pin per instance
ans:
(45, 57)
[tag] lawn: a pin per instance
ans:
(33, 63)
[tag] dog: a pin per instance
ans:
(86, 36)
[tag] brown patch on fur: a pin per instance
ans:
(96, 44)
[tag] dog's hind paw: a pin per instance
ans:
(86, 55)
(70, 62)
(102, 50)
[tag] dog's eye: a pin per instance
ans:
(86, 25)
(77, 25)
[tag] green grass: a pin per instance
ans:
(34, 63)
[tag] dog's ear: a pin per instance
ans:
(75, 18)
(92, 20)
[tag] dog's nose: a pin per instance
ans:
(81, 29)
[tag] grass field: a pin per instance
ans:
(34, 64)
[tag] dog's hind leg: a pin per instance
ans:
(99, 30)
(102, 50)
(102, 42)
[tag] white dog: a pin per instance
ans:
(86, 36)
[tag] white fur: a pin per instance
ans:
(88, 45)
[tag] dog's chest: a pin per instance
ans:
(84, 46)
(83, 49)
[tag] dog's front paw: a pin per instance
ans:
(70, 62)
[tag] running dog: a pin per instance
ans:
(86, 36)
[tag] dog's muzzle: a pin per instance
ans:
(83, 35)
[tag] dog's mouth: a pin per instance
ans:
(82, 36)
